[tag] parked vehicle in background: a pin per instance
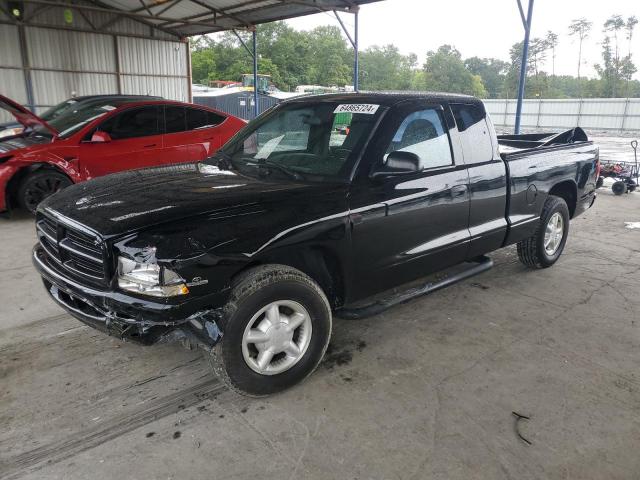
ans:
(99, 136)
(248, 253)
(15, 128)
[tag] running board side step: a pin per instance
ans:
(483, 264)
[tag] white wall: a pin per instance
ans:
(63, 60)
(611, 114)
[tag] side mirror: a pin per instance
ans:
(398, 162)
(100, 137)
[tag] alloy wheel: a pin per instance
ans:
(276, 337)
(553, 234)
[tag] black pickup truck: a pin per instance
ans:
(314, 207)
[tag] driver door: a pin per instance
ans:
(135, 142)
(408, 224)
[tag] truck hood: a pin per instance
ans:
(127, 202)
(24, 116)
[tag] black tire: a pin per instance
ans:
(531, 251)
(39, 185)
(631, 188)
(599, 182)
(256, 289)
(618, 188)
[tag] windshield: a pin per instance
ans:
(61, 108)
(317, 141)
(73, 117)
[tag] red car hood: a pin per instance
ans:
(24, 116)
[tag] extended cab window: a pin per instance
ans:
(474, 133)
(133, 123)
(424, 134)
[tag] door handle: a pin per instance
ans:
(150, 145)
(356, 218)
(458, 190)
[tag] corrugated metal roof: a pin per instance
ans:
(194, 17)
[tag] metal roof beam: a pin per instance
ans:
(8, 14)
(88, 30)
(144, 7)
(348, 6)
(218, 12)
(167, 8)
(126, 13)
(119, 17)
(242, 43)
(344, 29)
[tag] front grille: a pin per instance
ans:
(80, 253)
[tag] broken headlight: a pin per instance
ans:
(149, 279)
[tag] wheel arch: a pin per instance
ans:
(568, 191)
(15, 181)
(321, 264)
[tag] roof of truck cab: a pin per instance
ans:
(386, 98)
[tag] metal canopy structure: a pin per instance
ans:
(185, 18)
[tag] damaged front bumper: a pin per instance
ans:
(193, 322)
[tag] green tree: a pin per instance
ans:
(445, 71)
(329, 57)
(580, 27)
(629, 68)
(492, 71)
(615, 70)
(323, 56)
(552, 43)
(202, 61)
(385, 68)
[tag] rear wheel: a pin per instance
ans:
(277, 326)
(618, 188)
(38, 186)
(545, 246)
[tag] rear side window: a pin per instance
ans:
(197, 118)
(423, 133)
(474, 133)
(133, 123)
(175, 119)
(215, 119)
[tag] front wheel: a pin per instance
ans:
(545, 246)
(277, 326)
(38, 186)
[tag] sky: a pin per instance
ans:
(484, 28)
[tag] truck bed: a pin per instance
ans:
(530, 142)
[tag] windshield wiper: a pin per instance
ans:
(281, 168)
(222, 160)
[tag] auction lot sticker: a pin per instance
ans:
(366, 108)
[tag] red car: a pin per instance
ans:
(100, 137)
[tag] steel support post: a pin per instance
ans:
(255, 73)
(526, 23)
(356, 59)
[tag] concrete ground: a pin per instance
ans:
(425, 390)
